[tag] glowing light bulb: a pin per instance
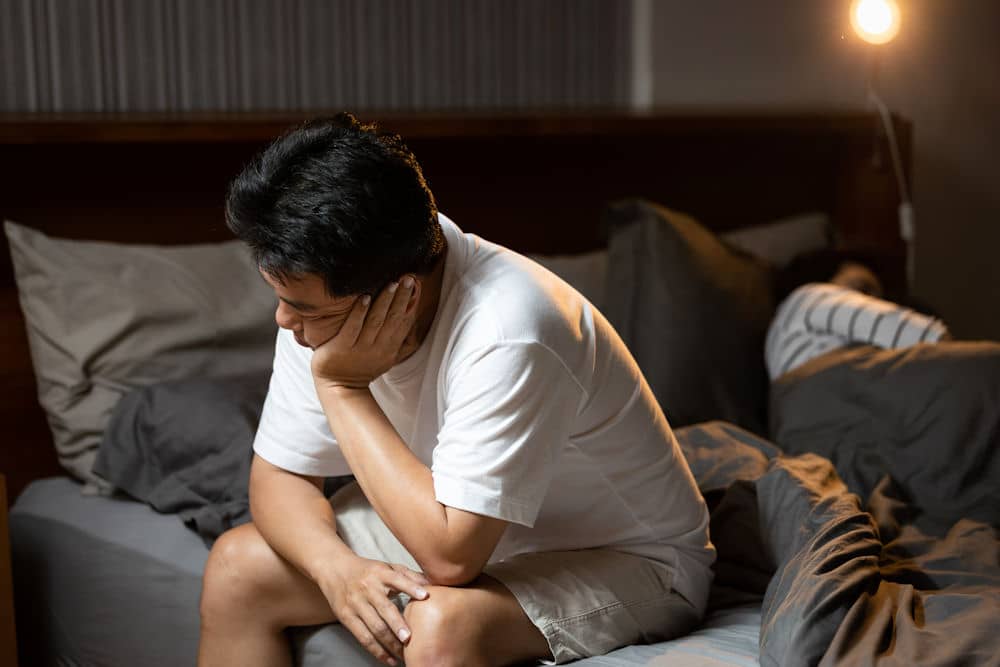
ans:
(875, 21)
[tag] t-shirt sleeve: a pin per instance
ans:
(508, 412)
(293, 433)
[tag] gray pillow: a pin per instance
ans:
(776, 243)
(103, 318)
(693, 311)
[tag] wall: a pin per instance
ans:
(941, 72)
(196, 55)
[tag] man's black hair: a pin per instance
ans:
(337, 198)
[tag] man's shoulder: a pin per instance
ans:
(521, 304)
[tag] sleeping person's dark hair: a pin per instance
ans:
(820, 266)
(339, 199)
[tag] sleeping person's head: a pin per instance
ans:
(845, 268)
(332, 211)
(858, 277)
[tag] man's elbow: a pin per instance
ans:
(452, 573)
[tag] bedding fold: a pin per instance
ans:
(847, 581)
(185, 447)
(913, 568)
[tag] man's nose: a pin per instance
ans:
(285, 316)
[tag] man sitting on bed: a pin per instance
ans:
(516, 481)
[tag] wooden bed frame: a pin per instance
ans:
(536, 183)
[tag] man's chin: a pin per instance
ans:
(301, 341)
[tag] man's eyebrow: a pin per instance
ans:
(304, 307)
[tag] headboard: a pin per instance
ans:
(536, 183)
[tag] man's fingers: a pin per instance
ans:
(355, 322)
(403, 583)
(380, 627)
(364, 636)
(378, 312)
(401, 314)
(390, 614)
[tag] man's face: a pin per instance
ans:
(305, 309)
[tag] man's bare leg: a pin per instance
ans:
(249, 595)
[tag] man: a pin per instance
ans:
(515, 479)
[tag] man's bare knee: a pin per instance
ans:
(234, 583)
(441, 633)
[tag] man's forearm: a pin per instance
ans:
(310, 541)
(401, 489)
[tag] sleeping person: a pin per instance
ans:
(817, 317)
(518, 491)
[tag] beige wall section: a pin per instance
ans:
(941, 72)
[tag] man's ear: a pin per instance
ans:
(417, 289)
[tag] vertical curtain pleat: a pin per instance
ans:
(235, 55)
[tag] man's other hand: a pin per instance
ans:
(370, 341)
(359, 593)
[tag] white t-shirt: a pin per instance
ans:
(526, 406)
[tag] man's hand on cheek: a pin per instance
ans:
(369, 342)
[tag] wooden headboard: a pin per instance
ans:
(536, 183)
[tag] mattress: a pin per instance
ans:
(108, 581)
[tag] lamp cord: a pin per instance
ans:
(907, 224)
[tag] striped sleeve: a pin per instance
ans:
(884, 324)
(819, 317)
(797, 332)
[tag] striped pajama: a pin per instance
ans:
(820, 317)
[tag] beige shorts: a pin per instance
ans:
(585, 602)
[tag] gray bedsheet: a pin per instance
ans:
(115, 583)
(110, 582)
(100, 581)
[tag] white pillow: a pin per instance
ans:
(780, 241)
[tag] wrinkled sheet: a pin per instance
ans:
(842, 582)
(886, 551)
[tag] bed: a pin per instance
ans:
(107, 580)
